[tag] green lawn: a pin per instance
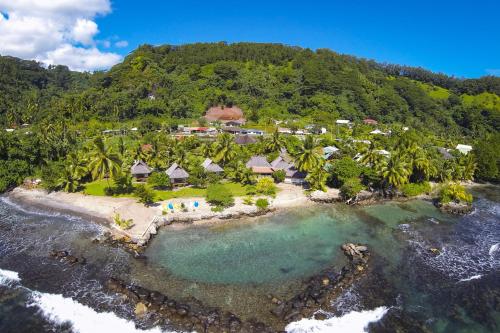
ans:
(97, 188)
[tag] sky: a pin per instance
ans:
(459, 38)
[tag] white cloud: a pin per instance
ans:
(55, 32)
(81, 59)
(121, 43)
(84, 31)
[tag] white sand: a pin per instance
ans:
(142, 216)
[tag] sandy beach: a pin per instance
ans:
(146, 220)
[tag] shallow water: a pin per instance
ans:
(234, 266)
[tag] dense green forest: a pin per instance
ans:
(265, 80)
(157, 87)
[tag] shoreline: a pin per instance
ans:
(147, 220)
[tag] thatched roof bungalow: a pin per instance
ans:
(210, 166)
(140, 170)
(177, 174)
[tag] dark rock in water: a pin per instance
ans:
(286, 270)
(182, 310)
(171, 303)
(324, 287)
(320, 316)
(157, 298)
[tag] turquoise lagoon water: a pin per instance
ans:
(289, 245)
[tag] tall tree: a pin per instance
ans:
(103, 161)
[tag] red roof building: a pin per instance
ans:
(369, 121)
(225, 114)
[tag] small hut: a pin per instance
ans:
(177, 175)
(210, 166)
(140, 170)
(260, 165)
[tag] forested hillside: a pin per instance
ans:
(268, 81)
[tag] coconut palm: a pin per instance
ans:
(469, 165)
(423, 167)
(241, 174)
(316, 179)
(370, 156)
(308, 156)
(224, 149)
(395, 171)
(103, 161)
(74, 170)
(70, 178)
(275, 143)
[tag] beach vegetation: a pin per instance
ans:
(144, 194)
(279, 176)
(454, 192)
(350, 188)
(415, 189)
(262, 203)
(123, 224)
(266, 186)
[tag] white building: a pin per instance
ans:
(464, 149)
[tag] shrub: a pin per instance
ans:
(198, 177)
(454, 192)
(279, 176)
(12, 173)
(265, 186)
(145, 194)
(159, 180)
(122, 223)
(219, 196)
(351, 188)
(343, 169)
(251, 190)
(262, 203)
(122, 184)
(248, 201)
(412, 190)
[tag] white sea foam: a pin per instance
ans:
(8, 277)
(494, 248)
(83, 319)
(353, 322)
(474, 277)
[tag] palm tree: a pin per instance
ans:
(103, 161)
(122, 148)
(241, 174)
(395, 171)
(317, 179)
(308, 156)
(469, 165)
(224, 150)
(370, 156)
(275, 143)
(69, 181)
(74, 170)
(423, 167)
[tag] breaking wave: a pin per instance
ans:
(353, 322)
(83, 319)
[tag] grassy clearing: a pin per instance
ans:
(97, 188)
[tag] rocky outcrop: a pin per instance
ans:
(456, 208)
(191, 315)
(67, 257)
(184, 316)
(321, 289)
(123, 242)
